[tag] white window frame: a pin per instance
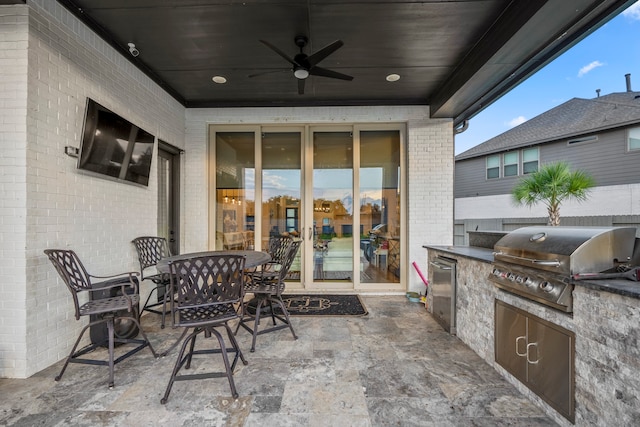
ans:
(525, 161)
(487, 168)
(633, 134)
(512, 162)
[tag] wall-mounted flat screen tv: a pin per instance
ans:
(115, 147)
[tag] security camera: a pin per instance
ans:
(132, 49)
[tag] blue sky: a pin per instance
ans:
(599, 61)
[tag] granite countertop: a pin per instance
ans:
(474, 252)
(623, 287)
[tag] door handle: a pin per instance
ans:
(533, 344)
(310, 233)
(517, 352)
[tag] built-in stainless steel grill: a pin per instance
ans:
(539, 262)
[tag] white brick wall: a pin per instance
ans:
(13, 203)
(56, 205)
(430, 167)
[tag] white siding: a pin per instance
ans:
(609, 200)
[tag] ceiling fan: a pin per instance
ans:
(303, 65)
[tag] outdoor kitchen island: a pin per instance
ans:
(603, 329)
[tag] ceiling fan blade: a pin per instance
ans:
(323, 72)
(324, 52)
(278, 51)
(301, 86)
(269, 72)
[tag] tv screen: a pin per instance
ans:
(115, 147)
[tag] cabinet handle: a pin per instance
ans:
(532, 344)
(517, 352)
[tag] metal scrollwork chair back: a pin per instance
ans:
(120, 303)
(267, 286)
(150, 251)
(208, 288)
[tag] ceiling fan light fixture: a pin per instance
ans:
(300, 73)
(393, 77)
(219, 79)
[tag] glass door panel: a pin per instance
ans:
(281, 190)
(380, 206)
(235, 190)
(332, 206)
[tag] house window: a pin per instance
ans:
(634, 139)
(511, 164)
(530, 158)
(493, 167)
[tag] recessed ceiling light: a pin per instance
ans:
(219, 79)
(393, 77)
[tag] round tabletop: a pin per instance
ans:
(253, 258)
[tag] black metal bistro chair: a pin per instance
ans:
(150, 251)
(122, 306)
(267, 285)
(208, 288)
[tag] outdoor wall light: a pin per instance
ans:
(71, 151)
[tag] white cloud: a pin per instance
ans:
(516, 121)
(633, 11)
(584, 70)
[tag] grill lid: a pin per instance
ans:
(567, 250)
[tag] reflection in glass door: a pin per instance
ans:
(380, 207)
(281, 193)
(235, 190)
(332, 225)
(336, 188)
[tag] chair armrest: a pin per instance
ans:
(122, 280)
(116, 276)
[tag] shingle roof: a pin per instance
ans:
(575, 117)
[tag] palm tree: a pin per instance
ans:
(552, 184)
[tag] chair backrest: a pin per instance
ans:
(202, 283)
(150, 250)
(71, 271)
(290, 255)
(278, 247)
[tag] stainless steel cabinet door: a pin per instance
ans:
(550, 355)
(511, 340)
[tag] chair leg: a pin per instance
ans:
(111, 336)
(176, 368)
(167, 295)
(225, 359)
(191, 347)
(184, 359)
(235, 347)
(146, 303)
(256, 322)
(286, 315)
(72, 353)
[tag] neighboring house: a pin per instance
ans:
(599, 135)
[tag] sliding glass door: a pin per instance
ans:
(336, 188)
(331, 187)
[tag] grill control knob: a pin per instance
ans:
(546, 286)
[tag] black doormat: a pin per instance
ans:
(324, 305)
